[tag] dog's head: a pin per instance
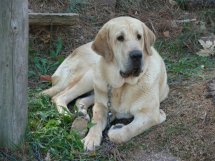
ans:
(127, 41)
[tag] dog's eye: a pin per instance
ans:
(120, 38)
(139, 36)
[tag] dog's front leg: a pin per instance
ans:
(99, 120)
(121, 133)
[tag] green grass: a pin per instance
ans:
(50, 131)
(77, 5)
(188, 67)
(181, 61)
(45, 62)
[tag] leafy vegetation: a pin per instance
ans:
(43, 64)
(181, 60)
(51, 132)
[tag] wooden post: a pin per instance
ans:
(13, 71)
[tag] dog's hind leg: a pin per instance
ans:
(52, 91)
(59, 83)
(74, 90)
(83, 104)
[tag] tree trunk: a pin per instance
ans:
(13, 71)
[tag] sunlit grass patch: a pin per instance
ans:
(49, 131)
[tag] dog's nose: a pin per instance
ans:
(135, 55)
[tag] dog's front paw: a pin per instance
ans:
(117, 133)
(91, 141)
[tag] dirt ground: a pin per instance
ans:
(189, 131)
(93, 14)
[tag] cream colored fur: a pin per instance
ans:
(96, 64)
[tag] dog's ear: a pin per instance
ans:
(149, 39)
(101, 44)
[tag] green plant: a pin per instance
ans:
(179, 55)
(189, 66)
(43, 64)
(76, 5)
(58, 48)
(50, 132)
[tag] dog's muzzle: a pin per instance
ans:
(135, 64)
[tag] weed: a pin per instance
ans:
(181, 62)
(76, 5)
(43, 64)
(188, 67)
(51, 132)
(58, 49)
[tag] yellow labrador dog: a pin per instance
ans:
(120, 60)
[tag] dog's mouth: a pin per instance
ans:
(134, 73)
(124, 74)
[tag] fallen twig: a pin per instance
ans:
(185, 20)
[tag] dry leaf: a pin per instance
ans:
(208, 44)
(46, 78)
(202, 26)
(166, 34)
(203, 53)
(172, 2)
(46, 38)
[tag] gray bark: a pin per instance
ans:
(13, 71)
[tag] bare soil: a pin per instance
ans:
(93, 14)
(187, 134)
